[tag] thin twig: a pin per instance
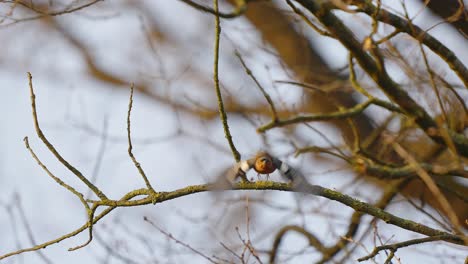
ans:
(55, 178)
(99, 156)
(307, 20)
(249, 245)
(394, 247)
(356, 220)
(321, 150)
(52, 149)
(89, 211)
(126, 197)
(231, 251)
(441, 128)
(113, 251)
(340, 114)
(352, 78)
(444, 203)
(426, 63)
(29, 231)
(240, 9)
(329, 141)
(90, 228)
(43, 14)
(265, 94)
(313, 240)
(388, 37)
(222, 112)
(423, 211)
(130, 147)
(170, 236)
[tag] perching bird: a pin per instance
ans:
(262, 163)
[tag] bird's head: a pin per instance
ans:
(264, 163)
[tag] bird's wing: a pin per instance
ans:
(285, 170)
(230, 175)
(296, 177)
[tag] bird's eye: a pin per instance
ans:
(264, 159)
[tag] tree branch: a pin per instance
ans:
(130, 147)
(417, 33)
(52, 149)
(377, 71)
(159, 197)
(394, 247)
(240, 9)
(222, 112)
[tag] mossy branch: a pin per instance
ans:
(159, 197)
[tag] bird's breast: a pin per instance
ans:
(264, 169)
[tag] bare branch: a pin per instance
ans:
(394, 247)
(222, 112)
(170, 236)
(130, 147)
(265, 94)
(52, 149)
(239, 11)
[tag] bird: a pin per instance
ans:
(264, 164)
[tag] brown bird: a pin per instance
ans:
(263, 163)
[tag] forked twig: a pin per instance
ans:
(52, 149)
